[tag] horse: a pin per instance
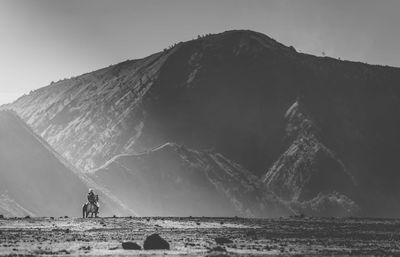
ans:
(90, 208)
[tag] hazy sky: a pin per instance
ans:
(47, 40)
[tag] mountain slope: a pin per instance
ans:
(172, 180)
(308, 175)
(34, 180)
(99, 110)
(10, 208)
(230, 92)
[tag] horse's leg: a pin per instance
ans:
(83, 210)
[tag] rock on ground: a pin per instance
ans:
(131, 246)
(154, 242)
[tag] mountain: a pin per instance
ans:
(321, 134)
(192, 93)
(177, 181)
(35, 181)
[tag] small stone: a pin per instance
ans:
(85, 248)
(63, 251)
(131, 246)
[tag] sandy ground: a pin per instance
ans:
(196, 236)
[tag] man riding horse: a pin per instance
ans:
(92, 197)
(92, 206)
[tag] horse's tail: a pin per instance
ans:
(84, 210)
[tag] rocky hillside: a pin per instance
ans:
(230, 92)
(91, 118)
(308, 173)
(35, 181)
(175, 181)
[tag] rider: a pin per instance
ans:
(92, 197)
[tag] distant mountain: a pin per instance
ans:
(35, 181)
(321, 134)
